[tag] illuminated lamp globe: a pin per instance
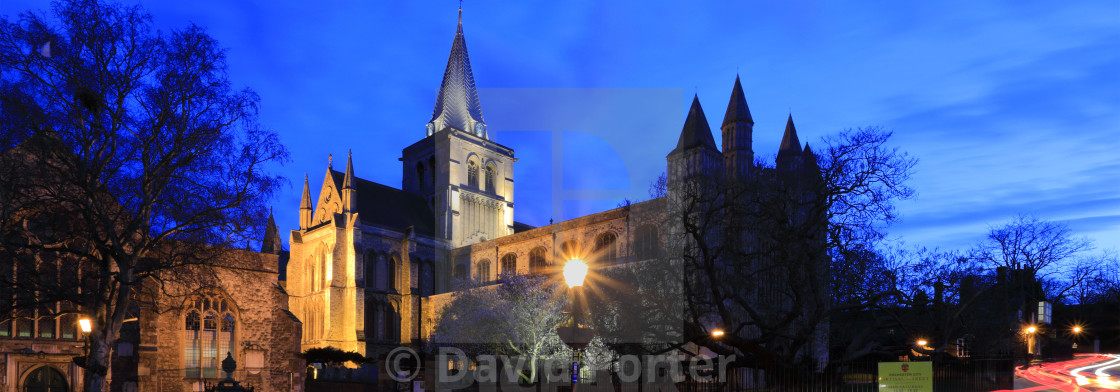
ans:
(85, 325)
(574, 272)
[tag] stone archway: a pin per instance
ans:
(45, 379)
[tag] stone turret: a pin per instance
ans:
(738, 132)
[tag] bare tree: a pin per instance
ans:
(1043, 250)
(757, 251)
(128, 158)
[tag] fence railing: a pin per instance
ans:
(977, 375)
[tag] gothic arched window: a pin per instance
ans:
(509, 264)
(432, 169)
(482, 271)
(371, 269)
(472, 173)
(538, 260)
(460, 271)
(490, 173)
(420, 175)
(393, 281)
(571, 249)
(646, 245)
(605, 249)
(208, 327)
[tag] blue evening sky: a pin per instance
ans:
(1010, 106)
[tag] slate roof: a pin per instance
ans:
(388, 207)
(737, 109)
(457, 102)
(696, 132)
(790, 144)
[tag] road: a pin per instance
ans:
(1085, 373)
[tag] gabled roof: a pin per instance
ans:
(737, 110)
(790, 144)
(388, 207)
(696, 132)
(457, 102)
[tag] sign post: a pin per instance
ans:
(905, 376)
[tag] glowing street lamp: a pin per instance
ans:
(922, 342)
(717, 333)
(85, 324)
(575, 335)
(574, 272)
(1076, 329)
(1031, 329)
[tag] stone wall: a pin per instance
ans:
(266, 335)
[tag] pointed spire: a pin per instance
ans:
(305, 203)
(790, 144)
(348, 179)
(305, 206)
(349, 188)
(271, 242)
(696, 132)
(737, 109)
(457, 104)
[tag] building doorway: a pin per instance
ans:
(45, 379)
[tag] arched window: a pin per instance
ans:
(605, 250)
(312, 319)
(490, 173)
(414, 272)
(472, 173)
(371, 269)
(509, 264)
(482, 271)
(393, 273)
(538, 260)
(45, 379)
(646, 245)
(432, 168)
(420, 175)
(209, 328)
(571, 249)
(460, 271)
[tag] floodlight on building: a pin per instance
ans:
(574, 272)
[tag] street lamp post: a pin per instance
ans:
(574, 333)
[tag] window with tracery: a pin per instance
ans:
(483, 271)
(209, 327)
(490, 178)
(472, 173)
(538, 260)
(605, 249)
(509, 264)
(646, 245)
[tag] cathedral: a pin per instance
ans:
(371, 264)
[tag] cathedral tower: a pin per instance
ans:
(466, 178)
(696, 153)
(738, 131)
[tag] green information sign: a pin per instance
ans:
(905, 376)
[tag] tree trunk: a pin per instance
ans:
(97, 362)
